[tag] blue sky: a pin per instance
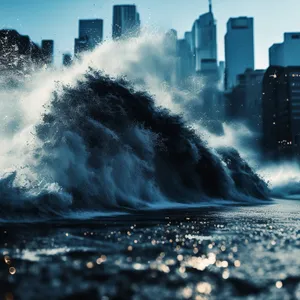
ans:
(58, 19)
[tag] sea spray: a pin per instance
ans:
(85, 140)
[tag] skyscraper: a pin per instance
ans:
(90, 35)
(189, 38)
(281, 111)
(67, 59)
(185, 61)
(92, 30)
(276, 55)
(239, 49)
(204, 38)
(48, 51)
(222, 72)
(126, 20)
(244, 101)
(18, 52)
(287, 53)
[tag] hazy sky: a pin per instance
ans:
(58, 19)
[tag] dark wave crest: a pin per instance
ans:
(108, 147)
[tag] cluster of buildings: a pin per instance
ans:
(267, 101)
(18, 54)
(126, 21)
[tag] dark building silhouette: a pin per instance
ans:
(281, 112)
(91, 30)
(18, 52)
(126, 20)
(67, 59)
(48, 51)
(244, 101)
(89, 36)
(81, 45)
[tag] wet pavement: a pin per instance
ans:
(247, 252)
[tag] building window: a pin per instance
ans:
(296, 36)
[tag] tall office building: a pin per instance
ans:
(185, 66)
(189, 38)
(126, 20)
(281, 111)
(90, 35)
(92, 30)
(48, 51)
(239, 49)
(287, 53)
(81, 45)
(244, 101)
(204, 38)
(276, 55)
(18, 52)
(67, 59)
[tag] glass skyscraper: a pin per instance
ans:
(126, 20)
(48, 51)
(239, 49)
(90, 35)
(204, 39)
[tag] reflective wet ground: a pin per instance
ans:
(231, 253)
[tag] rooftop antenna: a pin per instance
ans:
(210, 6)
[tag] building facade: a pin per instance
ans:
(189, 38)
(287, 53)
(239, 49)
(89, 36)
(126, 21)
(48, 51)
(67, 59)
(18, 52)
(204, 38)
(185, 62)
(281, 112)
(244, 101)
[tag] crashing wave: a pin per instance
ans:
(105, 146)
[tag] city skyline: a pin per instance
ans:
(51, 22)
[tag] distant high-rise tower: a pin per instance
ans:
(67, 59)
(188, 37)
(48, 51)
(185, 62)
(287, 53)
(90, 35)
(239, 49)
(126, 20)
(204, 38)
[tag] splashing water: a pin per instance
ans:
(74, 138)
